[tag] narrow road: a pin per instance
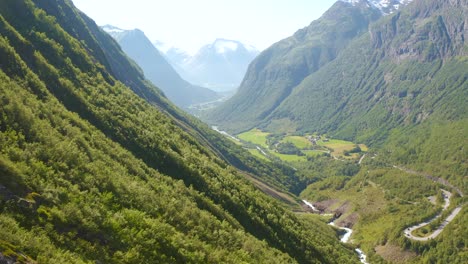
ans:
(261, 150)
(432, 178)
(437, 231)
(336, 158)
(362, 158)
(447, 195)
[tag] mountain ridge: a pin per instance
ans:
(158, 70)
(385, 6)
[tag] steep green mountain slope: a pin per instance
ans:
(272, 76)
(117, 64)
(410, 66)
(138, 47)
(92, 172)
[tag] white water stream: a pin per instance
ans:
(310, 205)
(346, 237)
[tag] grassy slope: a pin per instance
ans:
(298, 141)
(255, 136)
(335, 146)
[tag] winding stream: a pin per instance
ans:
(346, 237)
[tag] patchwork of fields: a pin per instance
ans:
(267, 146)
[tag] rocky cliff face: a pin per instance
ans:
(436, 35)
(409, 68)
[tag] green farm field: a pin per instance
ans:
(255, 136)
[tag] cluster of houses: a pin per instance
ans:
(315, 139)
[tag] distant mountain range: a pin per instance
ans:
(220, 66)
(138, 47)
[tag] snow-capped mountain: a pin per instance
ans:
(220, 66)
(112, 29)
(156, 68)
(224, 46)
(385, 6)
(115, 32)
(162, 46)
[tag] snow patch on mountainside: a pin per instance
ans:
(112, 29)
(251, 48)
(162, 46)
(222, 46)
(385, 6)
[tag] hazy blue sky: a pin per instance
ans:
(189, 24)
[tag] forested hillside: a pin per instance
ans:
(97, 166)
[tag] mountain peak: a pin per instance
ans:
(220, 65)
(225, 45)
(385, 6)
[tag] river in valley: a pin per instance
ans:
(346, 237)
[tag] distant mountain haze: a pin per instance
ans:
(220, 66)
(138, 47)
